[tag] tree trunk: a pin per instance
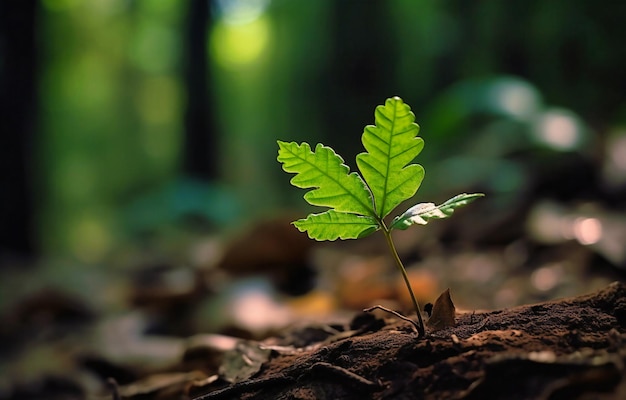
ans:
(17, 118)
(200, 150)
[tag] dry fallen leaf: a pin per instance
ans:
(244, 361)
(443, 313)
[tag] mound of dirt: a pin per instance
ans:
(564, 349)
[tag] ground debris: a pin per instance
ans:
(540, 351)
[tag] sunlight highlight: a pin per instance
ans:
(559, 129)
(236, 12)
(546, 278)
(254, 308)
(516, 97)
(587, 230)
(239, 45)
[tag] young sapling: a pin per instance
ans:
(359, 203)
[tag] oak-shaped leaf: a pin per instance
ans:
(391, 144)
(351, 213)
(332, 225)
(324, 170)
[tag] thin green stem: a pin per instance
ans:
(420, 325)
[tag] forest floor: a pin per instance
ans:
(572, 348)
(564, 349)
(168, 330)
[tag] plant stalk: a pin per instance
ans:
(420, 325)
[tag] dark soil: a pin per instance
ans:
(564, 349)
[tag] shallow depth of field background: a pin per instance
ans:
(146, 130)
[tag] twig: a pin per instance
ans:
(397, 314)
(335, 371)
(321, 369)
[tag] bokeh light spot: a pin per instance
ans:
(90, 238)
(240, 11)
(238, 45)
(559, 129)
(546, 278)
(254, 306)
(587, 230)
(516, 97)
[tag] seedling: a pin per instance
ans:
(359, 204)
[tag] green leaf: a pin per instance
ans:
(424, 212)
(324, 170)
(391, 144)
(357, 204)
(332, 225)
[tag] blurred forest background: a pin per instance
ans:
(144, 123)
(140, 192)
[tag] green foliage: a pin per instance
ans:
(331, 225)
(325, 171)
(359, 203)
(352, 214)
(391, 144)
